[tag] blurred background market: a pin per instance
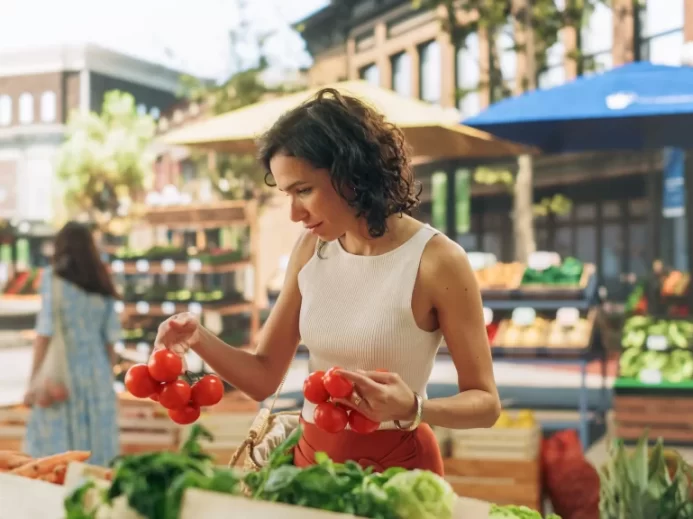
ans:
(138, 117)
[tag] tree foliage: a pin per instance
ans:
(235, 176)
(104, 162)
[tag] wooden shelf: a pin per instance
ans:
(156, 310)
(218, 215)
(182, 267)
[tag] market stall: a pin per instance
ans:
(185, 485)
(654, 389)
(185, 270)
(544, 312)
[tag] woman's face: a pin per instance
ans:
(314, 201)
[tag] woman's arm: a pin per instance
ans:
(41, 343)
(448, 279)
(44, 329)
(259, 373)
(112, 332)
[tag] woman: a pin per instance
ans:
(88, 419)
(367, 288)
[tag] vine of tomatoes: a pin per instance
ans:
(320, 388)
(182, 394)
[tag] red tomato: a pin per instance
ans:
(165, 366)
(155, 395)
(330, 418)
(314, 389)
(175, 394)
(209, 390)
(139, 382)
(361, 424)
(185, 415)
(337, 385)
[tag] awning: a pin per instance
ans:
(433, 132)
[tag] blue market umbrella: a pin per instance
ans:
(636, 106)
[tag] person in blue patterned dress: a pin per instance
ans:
(88, 419)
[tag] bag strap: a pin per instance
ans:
(57, 303)
(277, 392)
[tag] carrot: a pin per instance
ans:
(41, 466)
(51, 477)
(10, 460)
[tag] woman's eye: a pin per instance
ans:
(302, 192)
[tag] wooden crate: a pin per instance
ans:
(13, 427)
(444, 437)
(496, 443)
(667, 417)
(505, 482)
(145, 426)
(229, 431)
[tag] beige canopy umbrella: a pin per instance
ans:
(432, 131)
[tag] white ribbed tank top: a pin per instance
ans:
(356, 313)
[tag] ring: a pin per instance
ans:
(357, 399)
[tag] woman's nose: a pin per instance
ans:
(298, 213)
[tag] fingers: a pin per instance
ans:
(368, 379)
(174, 332)
(182, 323)
(348, 403)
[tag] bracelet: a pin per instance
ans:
(417, 418)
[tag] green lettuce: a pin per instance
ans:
(420, 494)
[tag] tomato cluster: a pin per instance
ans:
(160, 381)
(320, 388)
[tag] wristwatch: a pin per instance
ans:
(417, 418)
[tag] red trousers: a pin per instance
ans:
(381, 450)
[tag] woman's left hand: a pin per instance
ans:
(380, 396)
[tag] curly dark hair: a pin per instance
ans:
(367, 157)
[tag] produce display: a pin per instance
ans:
(26, 282)
(645, 484)
(515, 335)
(524, 420)
(567, 274)
(152, 485)
(212, 256)
(160, 380)
(671, 333)
(656, 350)
(653, 366)
(500, 276)
(321, 388)
(676, 284)
(674, 288)
(577, 335)
(50, 468)
(517, 512)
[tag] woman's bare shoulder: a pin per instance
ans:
(445, 260)
(304, 249)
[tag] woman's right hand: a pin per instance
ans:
(179, 333)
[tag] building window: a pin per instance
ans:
(597, 40)
(48, 107)
(468, 76)
(662, 32)
(554, 75)
(401, 74)
(430, 72)
(507, 56)
(5, 110)
(26, 108)
(371, 74)
(155, 113)
(141, 109)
